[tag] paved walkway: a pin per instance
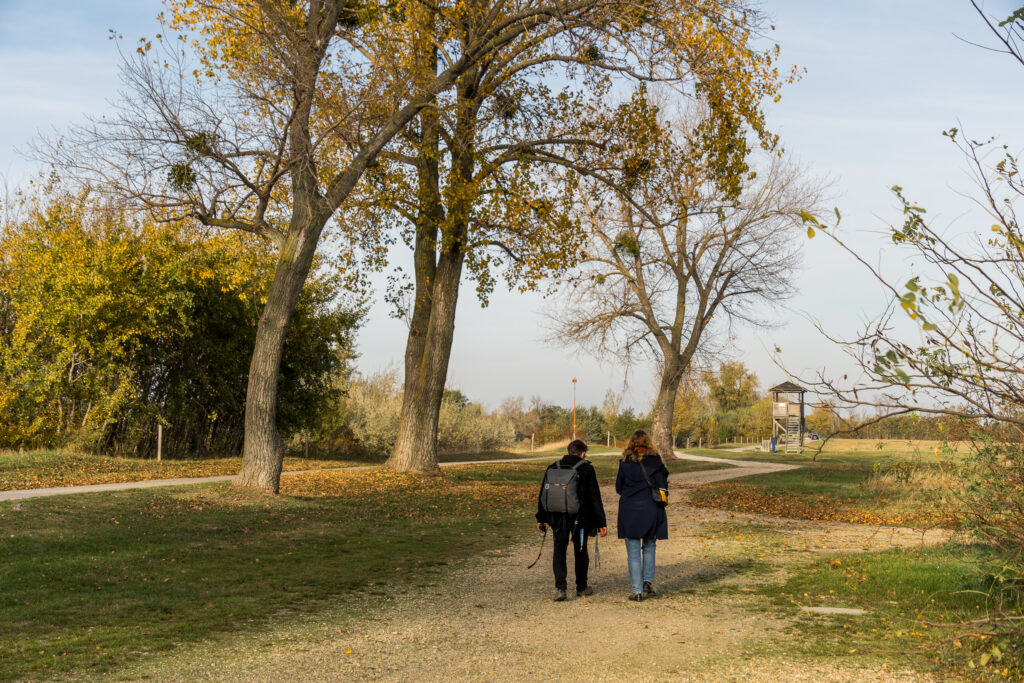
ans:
(739, 468)
(742, 469)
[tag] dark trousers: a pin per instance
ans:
(562, 537)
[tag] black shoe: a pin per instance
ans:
(560, 595)
(636, 597)
(648, 588)
(586, 591)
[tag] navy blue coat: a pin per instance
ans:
(639, 516)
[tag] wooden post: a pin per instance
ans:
(532, 436)
(609, 443)
(159, 441)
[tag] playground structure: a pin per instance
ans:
(788, 425)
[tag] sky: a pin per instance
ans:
(884, 79)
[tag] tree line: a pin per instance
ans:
(370, 410)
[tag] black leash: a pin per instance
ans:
(543, 538)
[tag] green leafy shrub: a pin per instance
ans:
(110, 325)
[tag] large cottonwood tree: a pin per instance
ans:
(472, 178)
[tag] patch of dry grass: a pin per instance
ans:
(849, 488)
(926, 449)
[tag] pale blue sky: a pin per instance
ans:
(884, 79)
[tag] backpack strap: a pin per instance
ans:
(580, 513)
(643, 470)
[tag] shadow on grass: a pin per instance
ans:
(692, 575)
(689, 576)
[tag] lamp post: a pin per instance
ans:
(573, 408)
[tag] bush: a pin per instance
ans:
(993, 503)
(373, 405)
(108, 326)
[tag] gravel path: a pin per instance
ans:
(743, 468)
(491, 619)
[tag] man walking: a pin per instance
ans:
(574, 514)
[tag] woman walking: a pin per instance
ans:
(642, 521)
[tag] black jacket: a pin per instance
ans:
(591, 516)
(639, 515)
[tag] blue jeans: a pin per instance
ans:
(640, 558)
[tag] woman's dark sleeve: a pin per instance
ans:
(618, 480)
(662, 476)
(596, 504)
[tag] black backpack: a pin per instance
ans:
(560, 491)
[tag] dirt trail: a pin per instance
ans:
(491, 619)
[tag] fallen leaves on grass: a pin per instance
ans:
(378, 489)
(741, 497)
(53, 469)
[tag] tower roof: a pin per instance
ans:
(788, 388)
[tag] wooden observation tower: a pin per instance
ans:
(787, 417)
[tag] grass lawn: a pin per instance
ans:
(923, 450)
(909, 487)
(924, 603)
(91, 581)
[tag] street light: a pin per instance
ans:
(573, 408)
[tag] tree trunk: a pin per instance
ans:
(262, 449)
(439, 256)
(664, 409)
(426, 369)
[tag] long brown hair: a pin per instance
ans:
(639, 447)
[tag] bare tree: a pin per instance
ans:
(1008, 31)
(687, 238)
(966, 358)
